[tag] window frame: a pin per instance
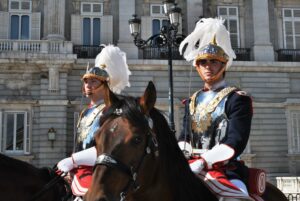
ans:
(3, 134)
(160, 24)
(228, 17)
(160, 17)
(83, 13)
(291, 19)
(20, 25)
(160, 14)
(92, 28)
(20, 10)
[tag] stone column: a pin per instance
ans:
(263, 49)
(126, 10)
(54, 16)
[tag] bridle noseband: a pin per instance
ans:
(112, 162)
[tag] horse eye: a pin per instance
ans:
(137, 140)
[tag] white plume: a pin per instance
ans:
(205, 30)
(114, 62)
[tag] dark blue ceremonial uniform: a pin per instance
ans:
(230, 124)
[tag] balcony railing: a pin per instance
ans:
(36, 46)
(242, 54)
(288, 54)
(160, 53)
(87, 51)
(293, 197)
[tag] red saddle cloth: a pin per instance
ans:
(257, 183)
(218, 184)
(82, 180)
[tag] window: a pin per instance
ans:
(91, 23)
(157, 24)
(291, 28)
(157, 10)
(19, 6)
(91, 8)
(91, 31)
(158, 18)
(230, 15)
(19, 20)
(14, 132)
(19, 27)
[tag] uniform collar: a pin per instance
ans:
(216, 86)
(96, 104)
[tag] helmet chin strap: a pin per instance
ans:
(213, 78)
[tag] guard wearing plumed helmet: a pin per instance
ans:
(110, 73)
(217, 117)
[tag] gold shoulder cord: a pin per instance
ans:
(204, 121)
(80, 116)
(192, 103)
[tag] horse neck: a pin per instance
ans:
(153, 185)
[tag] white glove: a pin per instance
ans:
(186, 148)
(86, 157)
(197, 166)
(66, 165)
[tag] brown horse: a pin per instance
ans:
(139, 159)
(20, 181)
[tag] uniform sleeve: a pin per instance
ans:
(239, 112)
(185, 134)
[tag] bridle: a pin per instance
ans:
(132, 172)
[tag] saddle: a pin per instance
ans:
(218, 183)
(81, 180)
(257, 183)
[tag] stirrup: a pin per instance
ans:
(78, 199)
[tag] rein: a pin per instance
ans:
(48, 186)
(112, 162)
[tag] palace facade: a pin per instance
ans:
(45, 46)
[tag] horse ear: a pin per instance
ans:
(147, 101)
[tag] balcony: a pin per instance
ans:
(36, 46)
(242, 54)
(87, 51)
(160, 53)
(288, 54)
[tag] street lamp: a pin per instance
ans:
(168, 37)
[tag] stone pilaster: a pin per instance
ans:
(54, 18)
(126, 10)
(194, 11)
(263, 49)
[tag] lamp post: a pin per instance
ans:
(168, 37)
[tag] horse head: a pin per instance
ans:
(127, 144)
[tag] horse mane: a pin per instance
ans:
(185, 184)
(21, 167)
(13, 170)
